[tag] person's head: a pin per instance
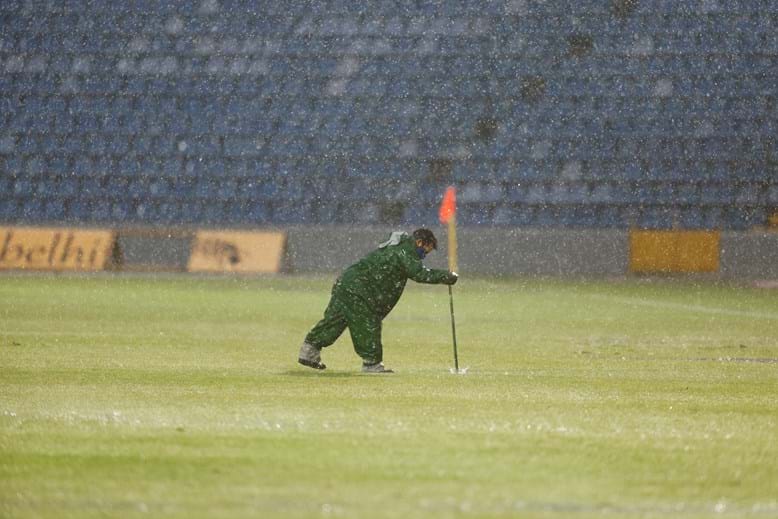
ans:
(425, 241)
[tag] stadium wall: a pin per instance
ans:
(482, 252)
(749, 255)
(149, 250)
(521, 251)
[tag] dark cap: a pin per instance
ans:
(426, 237)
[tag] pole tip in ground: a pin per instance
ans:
(460, 371)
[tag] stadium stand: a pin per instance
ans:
(624, 113)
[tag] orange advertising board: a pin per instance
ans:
(40, 248)
(237, 251)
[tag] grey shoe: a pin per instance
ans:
(310, 356)
(375, 368)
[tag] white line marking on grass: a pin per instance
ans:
(104, 335)
(11, 333)
(667, 305)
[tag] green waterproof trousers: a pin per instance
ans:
(349, 311)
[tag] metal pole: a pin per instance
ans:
(453, 328)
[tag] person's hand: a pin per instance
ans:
(453, 277)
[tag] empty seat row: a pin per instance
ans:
(283, 212)
(522, 168)
(279, 187)
(457, 140)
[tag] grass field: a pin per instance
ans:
(126, 396)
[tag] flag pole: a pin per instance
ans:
(448, 214)
(453, 328)
(452, 243)
(452, 266)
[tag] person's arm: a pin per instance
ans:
(416, 271)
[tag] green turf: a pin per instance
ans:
(181, 397)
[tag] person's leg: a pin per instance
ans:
(327, 331)
(365, 329)
(323, 334)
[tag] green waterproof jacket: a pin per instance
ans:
(379, 278)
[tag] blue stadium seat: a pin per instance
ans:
(420, 214)
(725, 195)
(158, 187)
(9, 209)
(772, 194)
(92, 186)
(46, 187)
(138, 187)
(712, 218)
(692, 218)
(27, 144)
(508, 216)
(677, 116)
(476, 214)
(741, 219)
(749, 195)
(191, 211)
(213, 213)
(6, 186)
(23, 187)
(31, 210)
(546, 216)
(168, 212)
(255, 212)
(611, 217)
(205, 188)
(654, 217)
(579, 216)
(182, 188)
(291, 212)
(146, 211)
(35, 166)
(54, 210)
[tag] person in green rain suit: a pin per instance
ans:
(366, 292)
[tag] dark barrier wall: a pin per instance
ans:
(482, 251)
(151, 250)
(746, 255)
(543, 252)
(749, 255)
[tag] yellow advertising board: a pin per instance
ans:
(772, 220)
(237, 251)
(39, 248)
(674, 251)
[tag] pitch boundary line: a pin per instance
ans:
(667, 305)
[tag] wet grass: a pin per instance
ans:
(181, 397)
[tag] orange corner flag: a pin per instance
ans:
(448, 214)
(448, 208)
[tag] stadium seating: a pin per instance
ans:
(656, 114)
